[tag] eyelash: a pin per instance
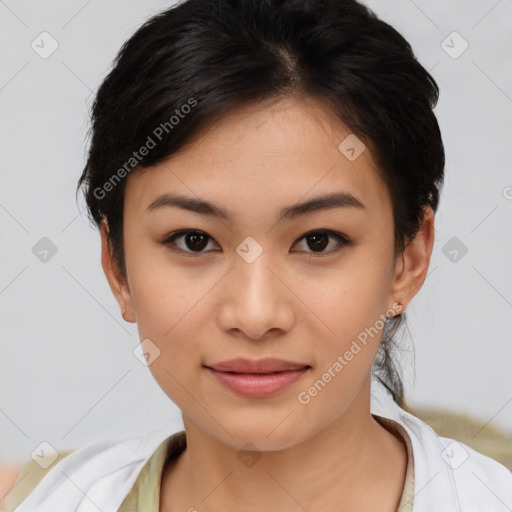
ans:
(343, 241)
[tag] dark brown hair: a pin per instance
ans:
(192, 63)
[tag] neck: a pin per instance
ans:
(332, 470)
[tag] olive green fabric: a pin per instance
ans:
(144, 495)
(407, 499)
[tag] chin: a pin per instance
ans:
(267, 435)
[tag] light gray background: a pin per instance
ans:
(67, 372)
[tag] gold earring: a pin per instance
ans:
(394, 314)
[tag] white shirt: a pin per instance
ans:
(449, 476)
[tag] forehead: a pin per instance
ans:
(256, 156)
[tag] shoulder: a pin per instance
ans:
(472, 468)
(102, 471)
(17, 482)
(450, 473)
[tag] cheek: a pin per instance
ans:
(351, 304)
(354, 311)
(169, 313)
(354, 294)
(170, 308)
(167, 307)
(161, 293)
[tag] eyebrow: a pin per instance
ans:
(329, 201)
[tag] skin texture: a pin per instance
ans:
(291, 303)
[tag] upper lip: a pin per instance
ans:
(267, 365)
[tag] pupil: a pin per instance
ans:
(318, 244)
(196, 241)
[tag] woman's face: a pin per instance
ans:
(251, 284)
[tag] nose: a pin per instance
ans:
(256, 303)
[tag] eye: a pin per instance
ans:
(195, 241)
(319, 240)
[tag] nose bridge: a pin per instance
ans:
(255, 282)
(257, 300)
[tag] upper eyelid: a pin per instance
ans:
(182, 232)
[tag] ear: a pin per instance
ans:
(412, 267)
(115, 279)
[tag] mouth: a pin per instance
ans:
(257, 378)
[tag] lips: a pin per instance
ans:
(257, 378)
(267, 365)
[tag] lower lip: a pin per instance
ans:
(258, 384)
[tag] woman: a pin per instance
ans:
(265, 175)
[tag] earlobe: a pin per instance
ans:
(412, 266)
(114, 276)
